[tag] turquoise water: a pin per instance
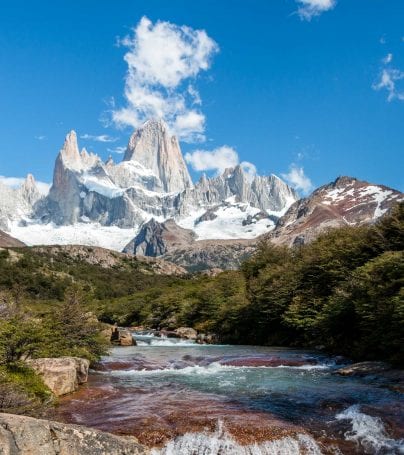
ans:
(200, 399)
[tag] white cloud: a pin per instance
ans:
(41, 137)
(218, 160)
(161, 58)
(298, 179)
(249, 169)
(388, 58)
(192, 125)
(100, 138)
(16, 182)
(119, 150)
(389, 79)
(196, 98)
(311, 8)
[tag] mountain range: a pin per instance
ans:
(148, 205)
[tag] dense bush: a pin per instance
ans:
(344, 291)
(66, 330)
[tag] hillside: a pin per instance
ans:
(8, 241)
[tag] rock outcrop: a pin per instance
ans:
(20, 435)
(180, 246)
(155, 239)
(205, 255)
(61, 375)
(344, 202)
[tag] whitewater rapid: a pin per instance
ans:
(181, 398)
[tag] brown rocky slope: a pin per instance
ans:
(344, 202)
(6, 241)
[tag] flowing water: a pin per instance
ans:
(186, 399)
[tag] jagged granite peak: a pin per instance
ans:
(267, 193)
(17, 204)
(110, 161)
(272, 193)
(69, 153)
(155, 149)
(71, 158)
(153, 181)
(29, 190)
(346, 201)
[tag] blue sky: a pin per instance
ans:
(317, 91)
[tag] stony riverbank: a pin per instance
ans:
(20, 435)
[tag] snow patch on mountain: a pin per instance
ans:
(231, 221)
(102, 186)
(89, 234)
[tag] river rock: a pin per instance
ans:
(62, 375)
(126, 338)
(364, 368)
(20, 435)
(187, 332)
(120, 336)
(209, 338)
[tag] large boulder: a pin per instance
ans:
(126, 338)
(121, 336)
(62, 375)
(20, 435)
(187, 332)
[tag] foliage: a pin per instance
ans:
(344, 291)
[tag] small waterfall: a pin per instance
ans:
(222, 443)
(369, 432)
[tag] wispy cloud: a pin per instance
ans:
(218, 160)
(162, 59)
(390, 79)
(298, 179)
(40, 137)
(99, 138)
(118, 150)
(16, 182)
(388, 58)
(311, 8)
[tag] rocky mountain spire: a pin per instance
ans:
(154, 148)
(70, 152)
(29, 190)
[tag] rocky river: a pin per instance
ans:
(181, 398)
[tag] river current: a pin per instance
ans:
(181, 398)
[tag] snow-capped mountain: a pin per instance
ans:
(105, 203)
(345, 202)
(147, 204)
(17, 204)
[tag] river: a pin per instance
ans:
(186, 399)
